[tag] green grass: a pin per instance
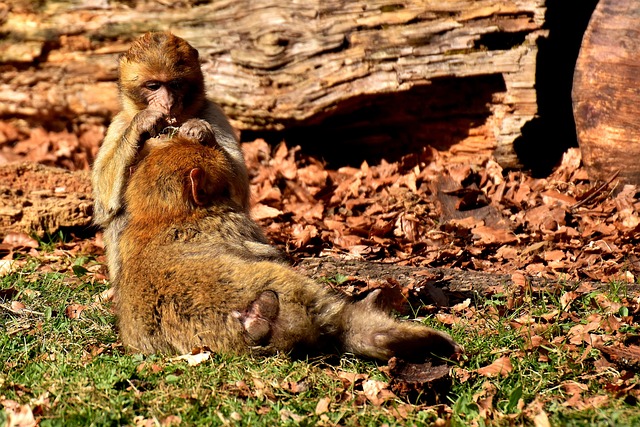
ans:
(74, 372)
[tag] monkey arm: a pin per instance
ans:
(108, 176)
(119, 151)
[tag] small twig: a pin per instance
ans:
(599, 190)
(22, 311)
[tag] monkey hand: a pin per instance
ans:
(199, 130)
(146, 124)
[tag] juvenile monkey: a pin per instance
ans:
(196, 271)
(161, 85)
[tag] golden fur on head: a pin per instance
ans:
(165, 182)
(162, 54)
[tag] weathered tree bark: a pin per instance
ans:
(367, 73)
(606, 92)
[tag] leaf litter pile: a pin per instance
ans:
(423, 211)
(568, 245)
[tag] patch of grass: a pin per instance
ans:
(72, 371)
(49, 241)
(545, 372)
(338, 279)
(75, 373)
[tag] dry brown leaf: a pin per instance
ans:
(196, 357)
(519, 280)
(581, 333)
(567, 298)
(501, 366)
(552, 196)
(17, 306)
(73, 311)
(461, 374)
(18, 415)
(302, 235)
(604, 302)
(533, 341)
(295, 387)
(262, 389)
(533, 248)
(170, 421)
(574, 390)
(313, 175)
(447, 319)
(20, 240)
(541, 419)
(485, 235)
(286, 415)
(463, 306)
(467, 223)
(484, 399)
(7, 266)
(323, 405)
(261, 211)
(351, 377)
(377, 392)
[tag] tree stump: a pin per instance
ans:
(606, 92)
(360, 76)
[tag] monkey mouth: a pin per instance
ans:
(171, 121)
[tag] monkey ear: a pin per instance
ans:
(197, 178)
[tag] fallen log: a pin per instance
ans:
(381, 76)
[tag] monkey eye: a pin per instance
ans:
(152, 85)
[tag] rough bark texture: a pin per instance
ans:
(40, 199)
(381, 74)
(606, 92)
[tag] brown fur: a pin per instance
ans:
(161, 84)
(199, 272)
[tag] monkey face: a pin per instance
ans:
(161, 71)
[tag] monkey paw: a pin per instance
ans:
(146, 124)
(200, 130)
(258, 319)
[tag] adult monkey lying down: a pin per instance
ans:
(196, 271)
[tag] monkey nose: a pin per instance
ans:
(165, 109)
(165, 106)
(165, 101)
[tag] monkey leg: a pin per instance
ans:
(370, 332)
